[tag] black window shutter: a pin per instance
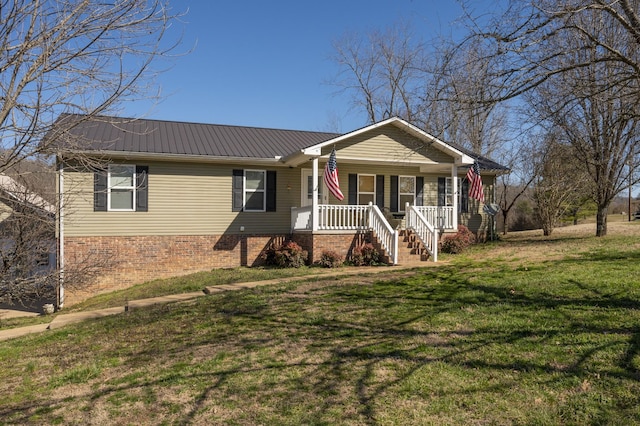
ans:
(271, 190)
(236, 190)
(380, 191)
(441, 191)
(419, 190)
(464, 199)
(142, 185)
(394, 194)
(100, 191)
(353, 188)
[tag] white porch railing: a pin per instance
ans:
(439, 216)
(387, 236)
(349, 218)
(423, 229)
(341, 217)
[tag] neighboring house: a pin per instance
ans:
(167, 198)
(27, 242)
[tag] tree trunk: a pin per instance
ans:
(601, 221)
(505, 213)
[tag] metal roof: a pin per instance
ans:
(147, 136)
(181, 138)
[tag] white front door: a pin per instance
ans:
(307, 189)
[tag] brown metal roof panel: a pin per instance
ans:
(156, 136)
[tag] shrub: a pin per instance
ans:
(286, 255)
(457, 242)
(330, 259)
(365, 255)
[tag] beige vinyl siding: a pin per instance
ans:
(389, 143)
(184, 199)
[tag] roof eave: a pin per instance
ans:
(150, 156)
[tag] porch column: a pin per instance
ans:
(314, 196)
(454, 180)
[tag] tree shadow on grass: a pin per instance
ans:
(348, 350)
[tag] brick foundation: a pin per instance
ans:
(341, 243)
(120, 262)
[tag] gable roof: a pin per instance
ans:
(126, 135)
(117, 136)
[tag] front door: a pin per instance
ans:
(307, 189)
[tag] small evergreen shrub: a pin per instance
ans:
(330, 259)
(457, 242)
(365, 255)
(286, 255)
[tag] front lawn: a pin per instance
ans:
(525, 331)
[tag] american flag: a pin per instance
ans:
(331, 176)
(475, 183)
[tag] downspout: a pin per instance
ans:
(60, 292)
(456, 210)
(314, 197)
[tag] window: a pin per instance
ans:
(366, 189)
(448, 192)
(445, 193)
(253, 190)
(121, 193)
(406, 191)
(121, 187)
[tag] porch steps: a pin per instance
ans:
(410, 249)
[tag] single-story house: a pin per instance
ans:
(161, 198)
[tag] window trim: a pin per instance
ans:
(132, 188)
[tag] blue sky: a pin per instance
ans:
(267, 63)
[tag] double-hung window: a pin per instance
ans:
(121, 187)
(253, 190)
(366, 189)
(406, 191)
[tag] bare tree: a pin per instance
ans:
(458, 101)
(512, 186)
(441, 88)
(560, 184)
(58, 57)
(583, 57)
(382, 70)
(63, 56)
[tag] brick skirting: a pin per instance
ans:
(120, 262)
(116, 263)
(342, 243)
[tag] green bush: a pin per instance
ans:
(365, 255)
(330, 259)
(286, 255)
(457, 242)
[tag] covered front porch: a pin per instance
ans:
(425, 222)
(394, 178)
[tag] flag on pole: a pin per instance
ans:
(331, 176)
(475, 183)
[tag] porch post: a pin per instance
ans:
(314, 197)
(454, 180)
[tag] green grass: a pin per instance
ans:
(525, 331)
